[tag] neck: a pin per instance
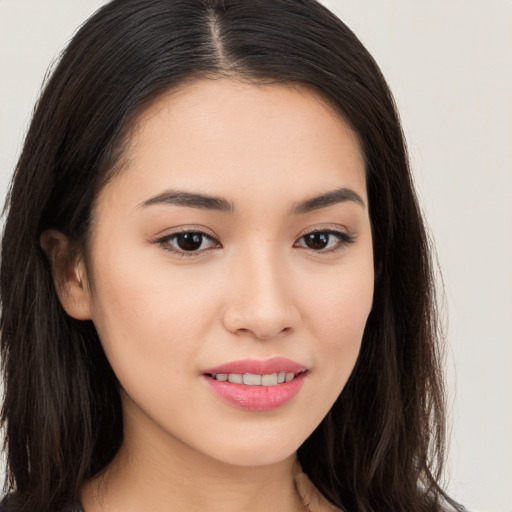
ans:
(159, 473)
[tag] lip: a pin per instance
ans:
(257, 398)
(258, 366)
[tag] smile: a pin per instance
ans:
(256, 385)
(252, 379)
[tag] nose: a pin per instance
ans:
(261, 302)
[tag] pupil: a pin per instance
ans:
(190, 241)
(317, 240)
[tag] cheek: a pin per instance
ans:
(337, 312)
(148, 336)
(348, 321)
(341, 302)
(144, 312)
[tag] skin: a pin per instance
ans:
(256, 291)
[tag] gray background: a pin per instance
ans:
(449, 64)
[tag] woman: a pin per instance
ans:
(216, 285)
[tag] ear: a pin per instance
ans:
(69, 274)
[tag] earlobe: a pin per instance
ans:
(69, 274)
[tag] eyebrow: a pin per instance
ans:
(207, 202)
(339, 195)
(191, 200)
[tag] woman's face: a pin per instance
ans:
(234, 244)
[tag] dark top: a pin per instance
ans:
(8, 504)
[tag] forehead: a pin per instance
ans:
(231, 136)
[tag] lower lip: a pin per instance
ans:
(256, 398)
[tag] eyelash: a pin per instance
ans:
(344, 239)
(165, 242)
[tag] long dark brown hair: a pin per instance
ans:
(381, 447)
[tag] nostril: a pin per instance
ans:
(262, 321)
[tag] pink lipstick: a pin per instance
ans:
(256, 385)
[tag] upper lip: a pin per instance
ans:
(258, 367)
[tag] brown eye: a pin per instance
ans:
(325, 241)
(188, 242)
(317, 241)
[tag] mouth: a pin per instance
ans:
(256, 385)
(255, 379)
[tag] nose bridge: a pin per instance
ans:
(261, 300)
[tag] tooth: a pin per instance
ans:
(269, 380)
(252, 380)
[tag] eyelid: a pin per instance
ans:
(345, 237)
(188, 228)
(328, 228)
(163, 241)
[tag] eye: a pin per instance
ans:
(188, 242)
(325, 241)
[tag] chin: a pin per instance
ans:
(261, 457)
(257, 451)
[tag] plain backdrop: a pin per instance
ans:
(449, 64)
